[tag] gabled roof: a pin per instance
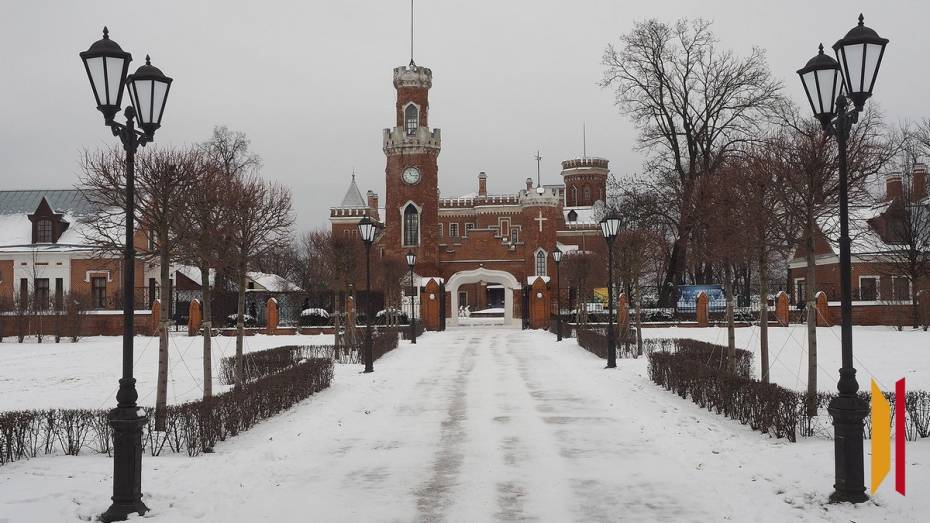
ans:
(353, 197)
(67, 201)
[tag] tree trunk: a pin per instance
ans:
(677, 264)
(810, 284)
(207, 313)
(161, 388)
(639, 320)
(915, 308)
(764, 314)
(240, 325)
(731, 331)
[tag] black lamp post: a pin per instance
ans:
(827, 84)
(107, 66)
(366, 230)
(610, 225)
(557, 258)
(411, 262)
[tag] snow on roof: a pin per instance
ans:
(531, 279)
(62, 201)
(353, 197)
(585, 215)
(272, 282)
(863, 239)
(193, 273)
(16, 234)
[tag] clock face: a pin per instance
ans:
(411, 175)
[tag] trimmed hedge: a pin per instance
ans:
(192, 427)
(270, 361)
(594, 340)
(699, 370)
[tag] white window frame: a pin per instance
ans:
(797, 294)
(910, 288)
(514, 235)
(403, 224)
(503, 230)
(407, 129)
(469, 226)
(878, 286)
(545, 260)
(440, 229)
(454, 230)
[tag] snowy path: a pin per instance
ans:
(476, 425)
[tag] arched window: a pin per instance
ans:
(44, 231)
(541, 263)
(574, 196)
(587, 195)
(412, 119)
(411, 226)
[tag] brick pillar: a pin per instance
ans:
(703, 318)
(539, 305)
(781, 308)
(271, 316)
(429, 305)
(623, 313)
(823, 311)
(194, 318)
(156, 317)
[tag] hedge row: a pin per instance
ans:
(270, 361)
(192, 427)
(765, 407)
(594, 340)
(699, 370)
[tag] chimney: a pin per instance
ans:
(529, 185)
(482, 184)
(373, 204)
(919, 182)
(893, 188)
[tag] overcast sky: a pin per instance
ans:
(310, 81)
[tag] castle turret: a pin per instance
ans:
(585, 181)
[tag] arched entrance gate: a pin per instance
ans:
(504, 278)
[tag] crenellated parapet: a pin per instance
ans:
(423, 140)
(413, 76)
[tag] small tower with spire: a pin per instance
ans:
(344, 217)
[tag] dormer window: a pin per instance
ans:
(411, 119)
(44, 231)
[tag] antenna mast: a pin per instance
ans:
(538, 160)
(584, 140)
(411, 32)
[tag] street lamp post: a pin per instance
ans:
(557, 258)
(366, 230)
(107, 66)
(827, 84)
(610, 225)
(411, 262)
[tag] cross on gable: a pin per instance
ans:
(540, 219)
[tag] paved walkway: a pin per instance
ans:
(474, 424)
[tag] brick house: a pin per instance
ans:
(484, 248)
(45, 256)
(881, 295)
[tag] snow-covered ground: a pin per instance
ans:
(85, 374)
(480, 424)
(882, 353)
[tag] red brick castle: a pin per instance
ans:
(483, 248)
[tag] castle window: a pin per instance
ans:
(469, 227)
(504, 227)
(587, 195)
(453, 229)
(514, 235)
(541, 263)
(44, 231)
(439, 226)
(574, 196)
(411, 226)
(412, 119)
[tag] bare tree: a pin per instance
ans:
(164, 179)
(582, 270)
(905, 225)
(693, 104)
(259, 222)
(807, 166)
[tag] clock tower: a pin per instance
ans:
(412, 174)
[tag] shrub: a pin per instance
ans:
(314, 318)
(594, 340)
(192, 427)
(270, 361)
